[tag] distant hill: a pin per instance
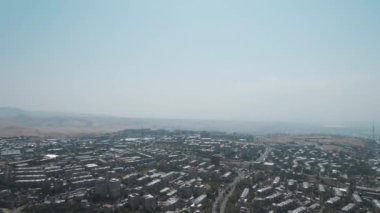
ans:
(9, 112)
(17, 122)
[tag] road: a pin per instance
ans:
(261, 159)
(222, 198)
(232, 187)
(217, 201)
(264, 156)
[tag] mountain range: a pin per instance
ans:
(20, 122)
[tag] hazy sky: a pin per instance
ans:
(308, 61)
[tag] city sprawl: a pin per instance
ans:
(146, 170)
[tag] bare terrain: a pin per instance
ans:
(327, 142)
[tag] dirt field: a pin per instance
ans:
(330, 142)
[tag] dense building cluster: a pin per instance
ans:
(185, 171)
(307, 178)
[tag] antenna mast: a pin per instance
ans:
(373, 130)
